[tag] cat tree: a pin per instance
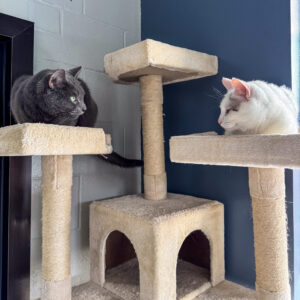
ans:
(266, 156)
(156, 223)
(152, 64)
(56, 144)
(148, 220)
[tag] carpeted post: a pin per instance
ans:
(155, 179)
(56, 214)
(267, 189)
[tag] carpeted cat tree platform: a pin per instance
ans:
(56, 144)
(266, 156)
(157, 223)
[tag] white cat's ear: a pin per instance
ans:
(57, 79)
(227, 83)
(75, 71)
(241, 88)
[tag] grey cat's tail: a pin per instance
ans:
(118, 160)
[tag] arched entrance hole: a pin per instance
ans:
(193, 265)
(121, 265)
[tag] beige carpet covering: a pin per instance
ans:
(56, 144)
(152, 64)
(227, 290)
(150, 57)
(265, 151)
(124, 280)
(157, 230)
(45, 139)
(92, 291)
(269, 154)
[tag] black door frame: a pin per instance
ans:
(15, 172)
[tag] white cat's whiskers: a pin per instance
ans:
(218, 92)
(214, 97)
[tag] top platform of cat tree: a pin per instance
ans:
(263, 151)
(44, 139)
(150, 57)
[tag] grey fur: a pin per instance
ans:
(46, 98)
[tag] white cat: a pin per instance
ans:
(258, 107)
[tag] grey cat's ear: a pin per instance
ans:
(75, 71)
(57, 79)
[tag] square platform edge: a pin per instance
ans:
(31, 139)
(136, 205)
(169, 59)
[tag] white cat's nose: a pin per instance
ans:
(220, 121)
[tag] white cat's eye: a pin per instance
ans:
(73, 98)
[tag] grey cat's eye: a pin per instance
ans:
(73, 98)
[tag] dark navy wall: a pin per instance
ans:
(252, 41)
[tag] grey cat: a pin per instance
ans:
(58, 97)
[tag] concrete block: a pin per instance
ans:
(75, 6)
(120, 13)
(16, 8)
(44, 16)
(86, 41)
(103, 91)
(48, 45)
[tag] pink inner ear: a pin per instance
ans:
(57, 79)
(227, 83)
(51, 84)
(241, 87)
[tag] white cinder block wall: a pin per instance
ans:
(70, 33)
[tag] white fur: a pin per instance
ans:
(270, 109)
